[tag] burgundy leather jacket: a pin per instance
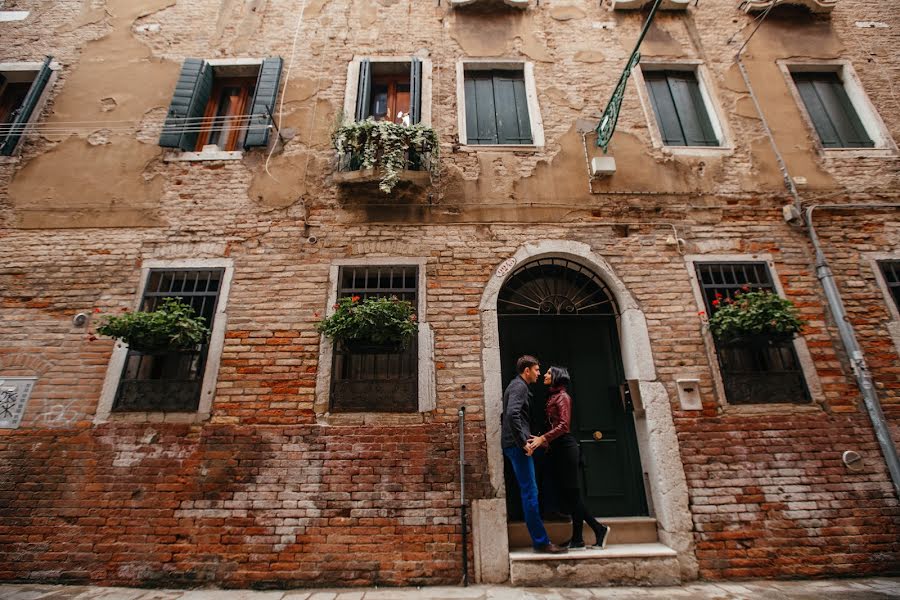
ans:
(559, 413)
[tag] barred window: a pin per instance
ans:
(891, 271)
(170, 381)
(376, 377)
(754, 371)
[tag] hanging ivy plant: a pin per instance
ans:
(384, 145)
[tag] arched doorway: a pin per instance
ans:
(563, 313)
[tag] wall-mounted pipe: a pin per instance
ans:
(848, 337)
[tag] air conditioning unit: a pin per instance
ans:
(602, 166)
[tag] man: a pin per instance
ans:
(514, 435)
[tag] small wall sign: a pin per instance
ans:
(506, 266)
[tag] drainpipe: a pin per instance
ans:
(848, 337)
(833, 296)
(462, 494)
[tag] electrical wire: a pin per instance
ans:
(287, 78)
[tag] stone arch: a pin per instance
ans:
(660, 455)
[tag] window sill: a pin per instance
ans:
(366, 418)
(772, 409)
(841, 153)
(500, 148)
(698, 150)
(153, 417)
(7, 16)
(206, 155)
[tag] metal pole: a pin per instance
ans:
(462, 494)
(854, 352)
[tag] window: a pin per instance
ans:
(170, 381)
(376, 378)
(831, 111)
(497, 107)
(21, 89)
(387, 89)
(227, 104)
(890, 269)
(753, 371)
(681, 111)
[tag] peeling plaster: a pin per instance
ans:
(116, 80)
(480, 37)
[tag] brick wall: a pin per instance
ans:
(266, 493)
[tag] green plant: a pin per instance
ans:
(757, 313)
(383, 145)
(172, 326)
(375, 320)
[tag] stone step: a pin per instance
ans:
(620, 564)
(625, 530)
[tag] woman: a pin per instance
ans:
(563, 456)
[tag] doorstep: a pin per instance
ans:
(617, 564)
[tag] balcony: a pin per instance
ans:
(385, 153)
(522, 4)
(638, 4)
(822, 7)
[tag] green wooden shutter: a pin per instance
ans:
(188, 105)
(664, 107)
(364, 90)
(695, 123)
(23, 114)
(415, 94)
(513, 125)
(831, 111)
(263, 105)
(481, 118)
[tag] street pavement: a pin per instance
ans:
(879, 588)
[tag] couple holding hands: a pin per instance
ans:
(562, 448)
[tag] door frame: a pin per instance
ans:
(660, 455)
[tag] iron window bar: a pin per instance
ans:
(757, 371)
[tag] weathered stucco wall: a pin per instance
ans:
(263, 494)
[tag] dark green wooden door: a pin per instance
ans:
(588, 346)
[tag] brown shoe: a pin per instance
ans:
(550, 548)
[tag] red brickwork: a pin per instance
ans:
(267, 492)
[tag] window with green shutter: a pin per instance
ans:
(680, 110)
(389, 91)
(20, 93)
(228, 106)
(832, 113)
(497, 108)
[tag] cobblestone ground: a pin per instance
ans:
(852, 589)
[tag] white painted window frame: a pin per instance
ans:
(531, 96)
(807, 366)
(893, 326)
(885, 147)
(351, 90)
(710, 102)
(33, 67)
(213, 357)
(213, 152)
(427, 390)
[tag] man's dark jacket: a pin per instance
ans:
(514, 427)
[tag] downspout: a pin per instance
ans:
(833, 296)
(848, 337)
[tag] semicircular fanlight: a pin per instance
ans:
(554, 286)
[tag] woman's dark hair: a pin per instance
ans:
(559, 377)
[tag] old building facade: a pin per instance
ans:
(271, 457)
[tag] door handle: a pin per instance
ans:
(598, 435)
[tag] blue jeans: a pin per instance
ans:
(523, 467)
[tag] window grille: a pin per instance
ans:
(753, 371)
(376, 377)
(891, 271)
(170, 381)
